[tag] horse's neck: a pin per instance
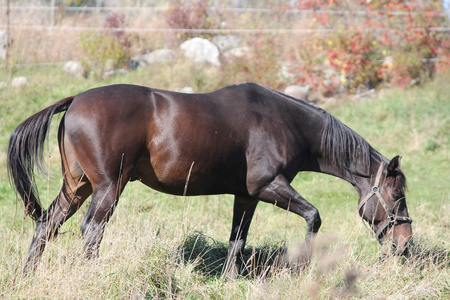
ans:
(361, 182)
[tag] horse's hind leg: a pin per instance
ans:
(104, 200)
(76, 188)
(69, 199)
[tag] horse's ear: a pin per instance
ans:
(394, 164)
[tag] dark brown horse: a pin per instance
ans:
(245, 140)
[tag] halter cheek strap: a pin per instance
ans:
(391, 218)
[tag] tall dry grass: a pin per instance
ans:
(158, 246)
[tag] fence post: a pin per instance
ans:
(7, 37)
(52, 12)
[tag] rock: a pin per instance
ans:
(3, 43)
(239, 52)
(19, 81)
(226, 42)
(155, 57)
(122, 72)
(298, 91)
(73, 68)
(201, 51)
(108, 73)
(113, 72)
(286, 71)
(186, 89)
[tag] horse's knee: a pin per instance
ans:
(313, 219)
(48, 224)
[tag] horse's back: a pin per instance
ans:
(214, 139)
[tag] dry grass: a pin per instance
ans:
(154, 255)
(158, 246)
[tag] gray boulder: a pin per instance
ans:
(155, 57)
(226, 42)
(19, 81)
(73, 68)
(3, 43)
(298, 91)
(239, 52)
(201, 51)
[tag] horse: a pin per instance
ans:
(245, 140)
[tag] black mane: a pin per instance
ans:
(344, 149)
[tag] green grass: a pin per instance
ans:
(162, 246)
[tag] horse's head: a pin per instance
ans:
(383, 206)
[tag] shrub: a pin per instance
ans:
(375, 41)
(195, 14)
(108, 49)
(260, 65)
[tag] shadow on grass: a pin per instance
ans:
(209, 256)
(424, 254)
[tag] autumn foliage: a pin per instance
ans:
(349, 47)
(375, 42)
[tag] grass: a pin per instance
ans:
(158, 246)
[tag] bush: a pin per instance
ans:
(375, 42)
(106, 50)
(196, 14)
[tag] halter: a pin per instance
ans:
(391, 218)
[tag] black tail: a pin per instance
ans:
(25, 150)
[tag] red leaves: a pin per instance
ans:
(369, 32)
(385, 39)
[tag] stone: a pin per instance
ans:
(74, 68)
(19, 81)
(226, 42)
(298, 91)
(3, 43)
(201, 51)
(159, 56)
(186, 90)
(239, 52)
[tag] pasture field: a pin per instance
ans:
(159, 246)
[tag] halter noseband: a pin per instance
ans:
(391, 218)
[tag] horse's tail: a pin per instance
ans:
(25, 150)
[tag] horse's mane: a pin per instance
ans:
(344, 149)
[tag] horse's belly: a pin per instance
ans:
(181, 178)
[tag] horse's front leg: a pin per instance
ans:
(243, 210)
(280, 193)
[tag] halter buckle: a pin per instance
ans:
(391, 219)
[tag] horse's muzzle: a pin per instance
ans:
(402, 238)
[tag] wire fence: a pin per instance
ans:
(225, 9)
(213, 31)
(30, 28)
